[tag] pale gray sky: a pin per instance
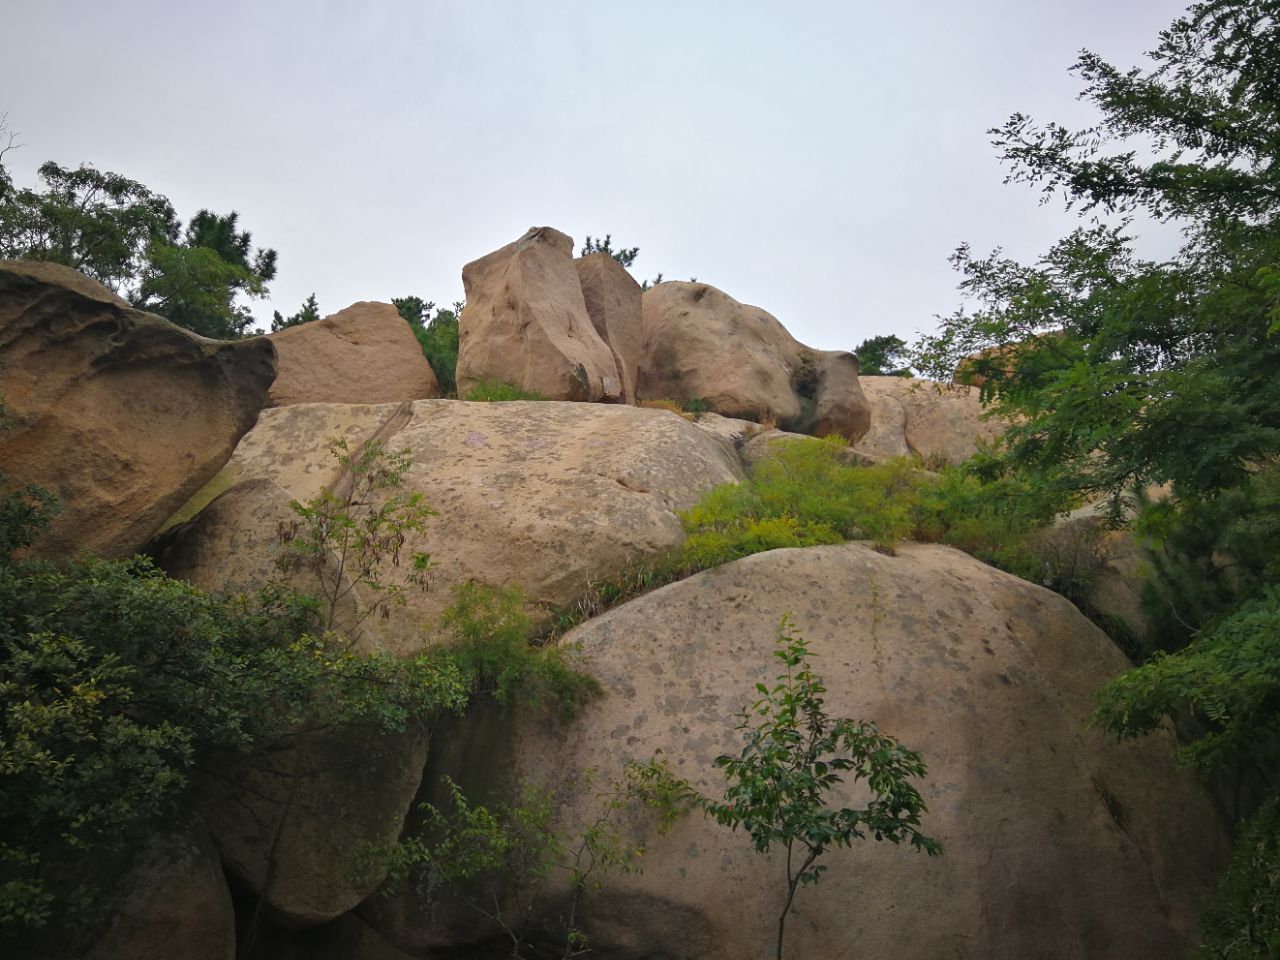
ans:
(817, 159)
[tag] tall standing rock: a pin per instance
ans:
(613, 300)
(363, 354)
(526, 323)
(119, 413)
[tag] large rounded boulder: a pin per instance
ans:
(544, 496)
(1059, 842)
(701, 345)
(120, 414)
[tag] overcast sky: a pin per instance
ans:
(817, 159)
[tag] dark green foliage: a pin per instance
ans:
(1228, 674)
(623, 256)
(1120, 372)
(116, 681)
(309, 312)
(195, 281)
(1130, 371)
(498, 391)
(438, 337)
(793, 756)
(102, 224)
(113, 682)
(1243, 922)
(492, 643)
(883, 356)
(120, 233)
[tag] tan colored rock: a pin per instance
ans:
(173, 902)
(546, 496)
(526, 323)
(700, 343)
(841, 407)
(119, 413)
(363, 354)
(1059, 840)
(297, 825)
(612, 298)
(940, 423)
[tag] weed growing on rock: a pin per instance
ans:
(493, 645)
(347, 535)
(511, 862)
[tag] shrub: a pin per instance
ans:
(493, 647)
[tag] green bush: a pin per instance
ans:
(115, 680)
(497, 391)
(437, 335)
(493, 647)
(808, 494)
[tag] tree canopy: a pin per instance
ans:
(130, 239)
(1119, 371)
(1131, 370)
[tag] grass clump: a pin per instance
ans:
(498, 391)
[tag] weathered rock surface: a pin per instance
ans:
(700, 343)
(612, 298)
(940, 423)
(546, 496)
(526, 322)
(173, 902)
(363, 354)
(1060, 842)
(840, 407)
(347, 938)
(119, 413)
(297, 826)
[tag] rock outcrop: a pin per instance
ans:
(1054, 833)
(546, 496)
(525, 322)
(701, 344)
(940, 423)
(119, 413)
(172, 902)
(363, 354)
(612, 299)
(297, 825)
